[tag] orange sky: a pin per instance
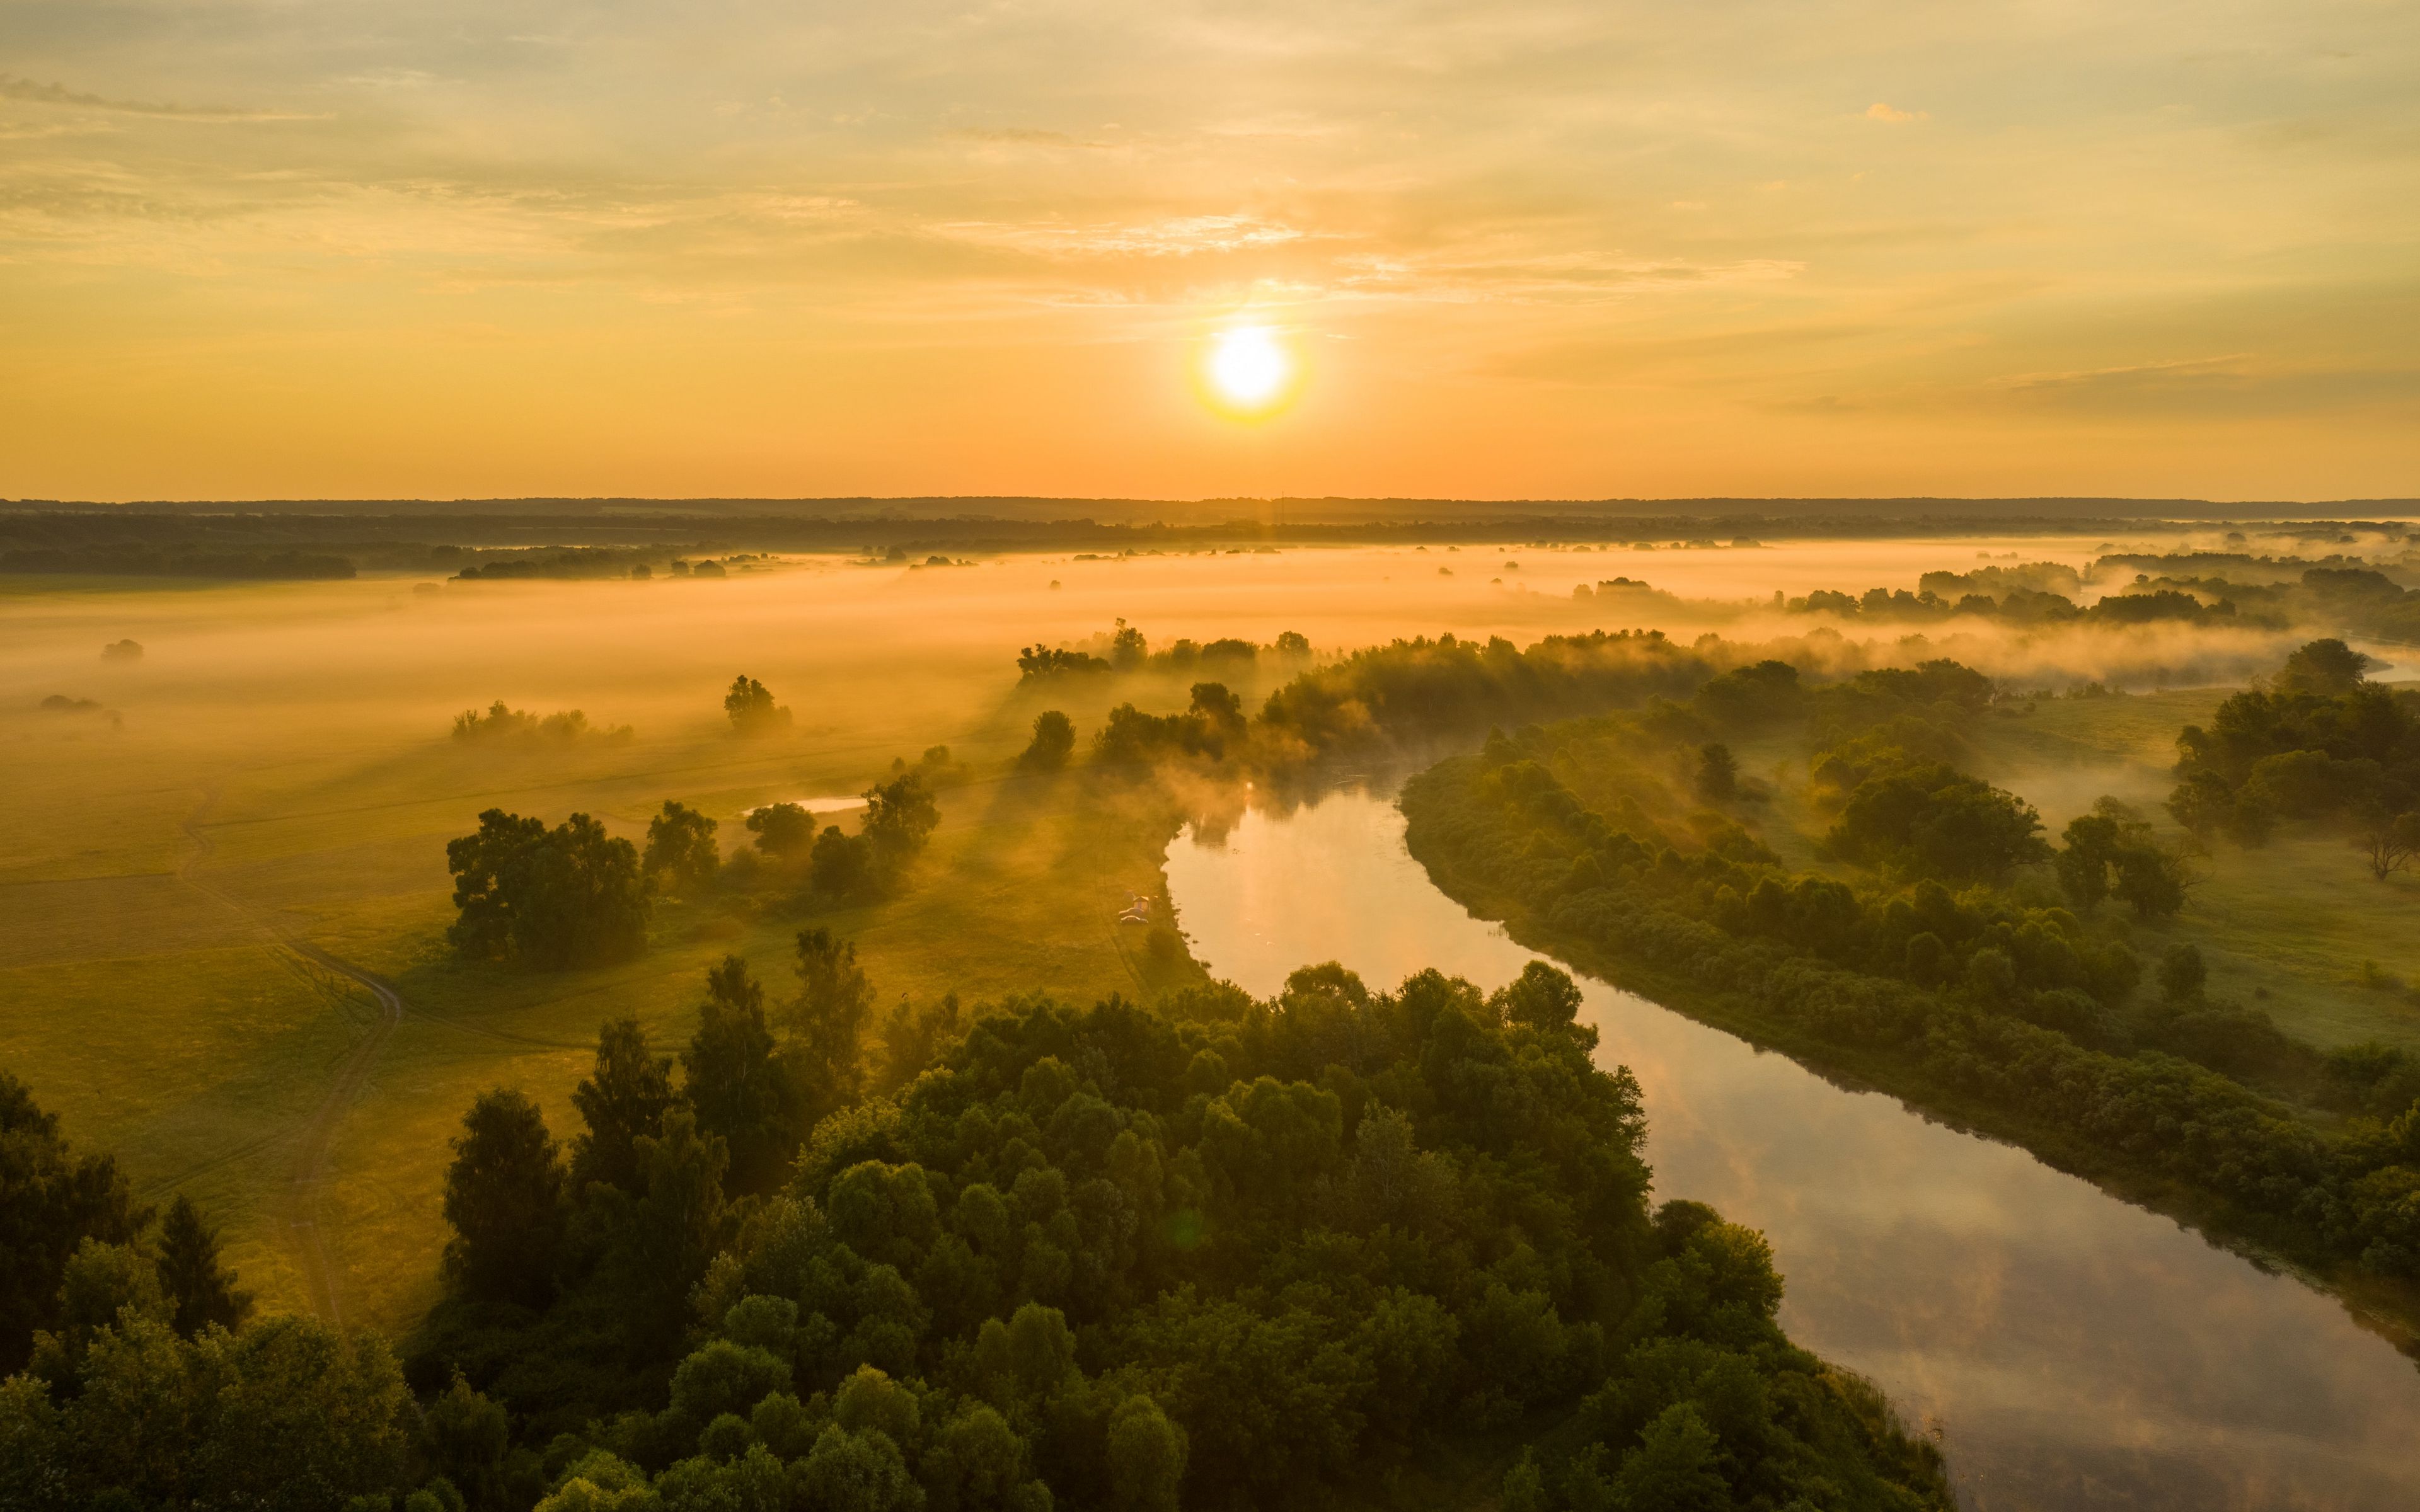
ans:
(1522, 248)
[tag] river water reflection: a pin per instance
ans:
(2070, 1350)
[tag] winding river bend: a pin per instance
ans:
(2068, 1350)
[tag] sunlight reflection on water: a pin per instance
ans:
(2070, 1350)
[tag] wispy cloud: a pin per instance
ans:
(1892, 115)
(1021, 136)
(1186, 235)
(12, 88)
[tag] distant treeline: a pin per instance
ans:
(2359, 599)
(571, 562)
(1126, 650)
(145, 562)
(1399, 697)
(401, 535)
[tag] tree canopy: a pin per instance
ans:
(569, 896)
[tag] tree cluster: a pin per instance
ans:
(1233, 1254)
(2320, 742)
(502, 723)
(569, 896)
(1210, 724)
(1125, 649)
(681, 849)
(900, 817)
(1965, 995)
(1937, 599)
(750, 707)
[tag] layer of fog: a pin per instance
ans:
(880, 661)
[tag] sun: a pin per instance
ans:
(1248, 369)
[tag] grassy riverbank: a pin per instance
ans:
(2146, 1126)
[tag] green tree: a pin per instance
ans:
(1717, 773)
(103, 1287)
(743, 1091)
(503, 1197)
(1934, 821)
(2092, 841)
(843, 865)
(464, 1437)
(50, 1200)
(681, 846)
(2182, 974)
(750, 708)
(782, 828)
(829, 1020)
(1212, 703)
(623, 1100)
(1127, 648)
(668, 1234)
(569, 896)
(1541, 997)
(200, 1291)
(1676, 1466)
(900, 815)
(2151, 879)
(1146, 1457)
(2323, 669)
(2388, 841)
(1054, 740)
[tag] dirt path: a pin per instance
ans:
(307, 1168)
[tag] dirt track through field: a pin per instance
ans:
(307, 1168)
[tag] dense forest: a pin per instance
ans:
(1939, 966)
(1224, 1254)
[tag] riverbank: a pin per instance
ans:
(1503, 864)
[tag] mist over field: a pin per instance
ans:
(232, 952)
(306, 723)
(1495, 756)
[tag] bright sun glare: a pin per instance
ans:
(1248, 367)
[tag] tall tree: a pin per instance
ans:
(465, 1436)
(681, 847)
(200, 1291)
(900, 815)
(671, 1232)
(741, 1089)
(504, 1195)
(50, 1200)
(622, 1102)
(1054, 739)
(830, 1018)
(750, 708)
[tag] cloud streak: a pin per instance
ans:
(33, 93)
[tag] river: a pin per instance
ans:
(2068, 1350)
